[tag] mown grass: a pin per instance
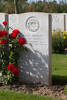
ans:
(59, 68)
(10, 95)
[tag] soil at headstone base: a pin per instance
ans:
(54, 90)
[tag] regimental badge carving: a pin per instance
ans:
(32, 24)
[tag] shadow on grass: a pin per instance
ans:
(59, 80)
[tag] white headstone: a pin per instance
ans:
(35, 64)
(57, 22)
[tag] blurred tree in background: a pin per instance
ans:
(21, 6)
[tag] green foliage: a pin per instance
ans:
(8, 56)
(58, 43)
(4, 61)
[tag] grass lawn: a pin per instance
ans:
(59, 68)
(8, 95)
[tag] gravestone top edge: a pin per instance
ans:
(30, 13)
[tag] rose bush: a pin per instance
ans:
(10, 45)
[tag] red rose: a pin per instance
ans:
(16, 71)
(3, 41)
(22, 41)
(15, 33)
(11, 67)
(5, 23)
(3, 33)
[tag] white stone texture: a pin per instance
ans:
(57, 22)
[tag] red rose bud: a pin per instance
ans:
(22, 41)
(11, 67)
(3, 41)
(5, 23)
(16, 71)
(15, 33)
